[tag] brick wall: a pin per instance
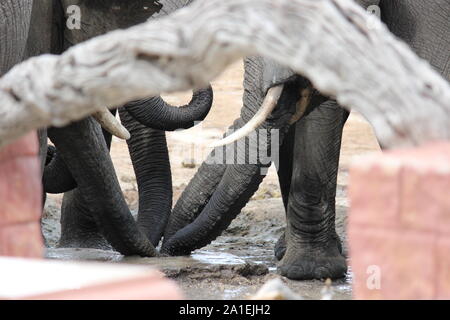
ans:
(399, 224)
(20, 199)
(20, 236)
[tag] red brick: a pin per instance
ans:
(22, 240)
(25, 146)
(416, 201)
(443, 268)
(396, 221)
(425, 192)
(20, 190)
(406, 261)
(437, 196)
(374, 192)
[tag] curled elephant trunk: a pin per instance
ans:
(155, 113)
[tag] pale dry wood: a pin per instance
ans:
(335, 43)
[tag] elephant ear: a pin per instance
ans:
(45, 32)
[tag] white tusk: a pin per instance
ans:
(111, 124)
(269, 103)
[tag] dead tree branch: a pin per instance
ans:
(335, 43)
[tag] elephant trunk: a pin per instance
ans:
(56, 177)
(150, 158)
(83, 149)
(155, 113)
(198, 192)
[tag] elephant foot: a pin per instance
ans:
(280, 247)
(303, 261)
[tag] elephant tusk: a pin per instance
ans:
(269, 103)
(111, 124)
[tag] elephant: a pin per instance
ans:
(310, 147)
(13, 40)
(94, 213)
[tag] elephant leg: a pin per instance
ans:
(85, 153)
(313, 246)
(286, 164)
(150, 158)
(284, 178)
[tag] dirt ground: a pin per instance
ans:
(239, 262)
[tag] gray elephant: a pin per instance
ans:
(94, 212)
(310, 247)
(13, 40)
(218, 192)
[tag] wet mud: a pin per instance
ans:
(234, 266)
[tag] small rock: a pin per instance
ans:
(188, 163)
(251, 269)
(275, 289)
(327, 290)
(128, 178)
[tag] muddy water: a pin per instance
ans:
(234, 266)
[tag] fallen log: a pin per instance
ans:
(335, 43)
